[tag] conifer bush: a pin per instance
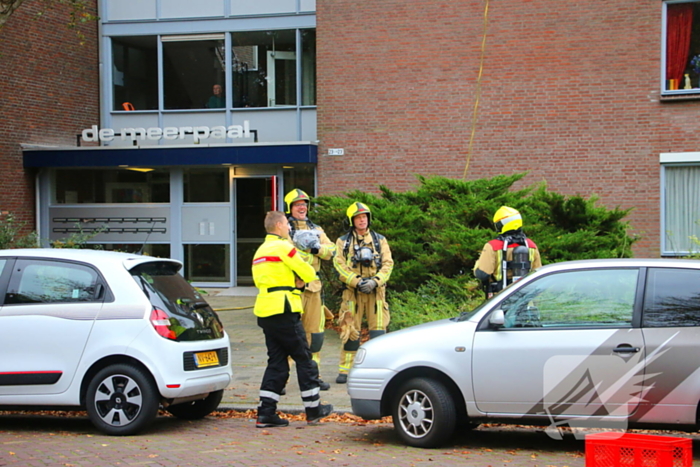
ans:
(436, 233)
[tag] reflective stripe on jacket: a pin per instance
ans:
(274, 265)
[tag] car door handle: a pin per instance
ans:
(626, 348)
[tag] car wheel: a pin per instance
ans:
(424, 413)
(121, 400)
(195, 410)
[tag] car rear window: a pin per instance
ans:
(191, 318)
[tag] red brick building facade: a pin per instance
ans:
(50, 92)
(569, 91)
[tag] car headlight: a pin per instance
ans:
(360, 356)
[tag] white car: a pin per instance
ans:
(118, 334)
(606, 343)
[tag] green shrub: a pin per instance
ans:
(437, 231)
(11, 233)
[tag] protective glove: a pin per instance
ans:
(367, 285)
(347, 328)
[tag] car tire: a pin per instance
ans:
(195, 410)
(122, 400)
(424, 413)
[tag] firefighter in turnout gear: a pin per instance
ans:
(309, 237)
(364, 264)
(509, 256)
(280, 272)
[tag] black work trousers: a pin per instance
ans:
(285, 337)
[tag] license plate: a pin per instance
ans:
(203, 359)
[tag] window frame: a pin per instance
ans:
(665, 91)
(666, 160)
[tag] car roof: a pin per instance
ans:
(623, 262)
(97, 257)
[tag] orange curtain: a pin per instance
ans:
(679, 23)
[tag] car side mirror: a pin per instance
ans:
(497, 319)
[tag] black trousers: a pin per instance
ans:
(285, 337)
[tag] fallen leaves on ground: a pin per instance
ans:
(301, 417)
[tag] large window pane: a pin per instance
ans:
(206, 185)
(300, 177)
(193, 73)
(135, 72)
(83, 186)
(264, 68)
(308, 67)
(682, 209)
(672, 298)
(207, 263)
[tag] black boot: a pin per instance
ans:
(271, 421)
(315, 414)
(342, 378)
(323, 385)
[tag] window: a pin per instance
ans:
(602, 297)
(194, 72)
(206, 185)
(85, 186)
(135, 72)
(207, 262)
(680, 203)
(39, 281)
(308, 66)
(264, 68)
(300, 177)
(682, 40)
(672, 298)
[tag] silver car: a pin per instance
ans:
(606, 343)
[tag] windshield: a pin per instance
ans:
(191, 318)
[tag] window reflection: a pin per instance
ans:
(84, 186)
(193, 73)
(672, 298)
(135, 72)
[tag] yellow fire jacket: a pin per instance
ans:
(274, 265)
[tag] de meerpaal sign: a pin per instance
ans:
(198, 133)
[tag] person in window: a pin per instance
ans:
(217, 101)
(511, 251)
(364, 264)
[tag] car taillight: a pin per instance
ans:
(161, 323)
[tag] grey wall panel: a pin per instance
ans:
(190, 9)
(120, 10)
(206, 224)
(246, 7)
(123, 223)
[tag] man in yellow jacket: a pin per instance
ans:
(280, 272)
(310, 237)
(364, 263)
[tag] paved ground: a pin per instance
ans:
(222, 440)
(249, 357)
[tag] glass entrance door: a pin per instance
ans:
(254, 198)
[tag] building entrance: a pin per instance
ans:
(254, 197)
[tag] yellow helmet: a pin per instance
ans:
(507, 219)
(357, 208)
(293, 196)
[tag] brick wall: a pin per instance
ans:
(570, 92)
(49, 91)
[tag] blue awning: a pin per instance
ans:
(159, 156)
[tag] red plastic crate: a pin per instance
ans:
(633, 450)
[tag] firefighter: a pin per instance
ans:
(280, 272)
(311, 238)
(364, 264)
(521, 253)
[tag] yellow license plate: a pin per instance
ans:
(203, 359)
